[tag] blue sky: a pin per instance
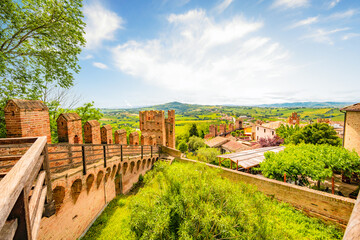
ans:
(219, 52)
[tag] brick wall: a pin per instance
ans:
(80, 198)
(352, 131)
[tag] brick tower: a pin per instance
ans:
(27, 118)
(294, 119)
(106, 134)
(92, 132)
(120, 136)
(238, 124)
(154, 123)
(69, 128)
(134, 138)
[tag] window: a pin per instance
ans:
(264, 130)
(257, 137)
(272, 132)
(257, 128)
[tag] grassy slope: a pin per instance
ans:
(279, 218)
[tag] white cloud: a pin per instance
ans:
(223, 5)
(101, 24)
(346, 14)
(204, 58)
(100, 65)
(290, 3)
(305, 22)
(324, 36)
(350, 35)
(87, 57)
(333, 3)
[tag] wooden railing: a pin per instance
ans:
(24, 189)
(352, 231)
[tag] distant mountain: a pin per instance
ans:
(177, 106)
(308, 105)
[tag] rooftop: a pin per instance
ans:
(216, 142)
(352, 108)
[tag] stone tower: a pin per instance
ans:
(69, 128)
(27, 118)
(238, 124)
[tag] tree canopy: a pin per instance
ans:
(309, 161)
(317, 133)
(39, 44)
(193, 131)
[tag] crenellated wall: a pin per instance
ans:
(80, 197)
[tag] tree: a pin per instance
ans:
(269, 142)
(286, 132)
(208, 155)
(309, 161)
(39, 45)
(193, 131)
(195, 143)
(88, 112)
(183, 147)
(317, 133)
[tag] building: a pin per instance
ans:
(154, 123)
(352, 127)
(27, 118)
(294, 119)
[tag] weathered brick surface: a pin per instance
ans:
(69, 128)
(27, 118)
(92, 132)
(120, 136)
(134, 138)
(106, 134)
(294, 119)
(239, 123)
(352, 131)
(154, 123)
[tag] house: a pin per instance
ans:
(352, 127)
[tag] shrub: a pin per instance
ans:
(183, 147)
(208, 155)
(195, 143)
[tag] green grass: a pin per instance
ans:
(185, 201)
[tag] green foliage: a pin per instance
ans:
(286, 132)
(309, 161)
(193, 131)
(183, 201)
(208, 155)
(195, 143)
(317, 133)
(39, 44)
(88, 112)
(183, 147)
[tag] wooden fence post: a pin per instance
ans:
(50, 204)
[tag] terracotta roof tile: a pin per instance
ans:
(70, 116)
(216, 142)
(352, 108)
(93, 123)
(30, 104)
(107, 127)
(234, 146)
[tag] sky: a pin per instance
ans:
(241, 52)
